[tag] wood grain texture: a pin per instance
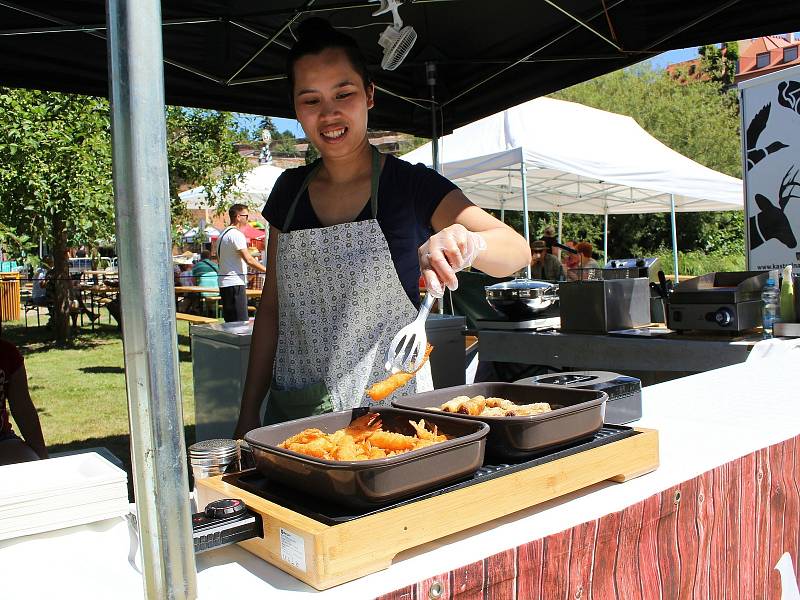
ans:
(717, 535)
(501, 574)
(669, 560)
(763, 484)
(529, 570)
(718, 560)
(647, 552)
(468, 582)
(555, 567)
(605, 557)
(439, 582)
(626, 572)
(581, 559)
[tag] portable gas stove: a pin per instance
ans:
(722, 302)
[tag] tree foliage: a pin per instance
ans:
(700, 120)
(56, 179)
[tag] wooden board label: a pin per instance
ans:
(293, 549)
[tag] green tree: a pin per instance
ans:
(55, 176)
(201, 151)
(312, 153)
(55, 172)
(698, 119)
(719, 62)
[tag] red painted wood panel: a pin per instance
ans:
(501, 573)
(626, 573)
(747, 529)
(718, 535)
(605, 557)
(555, 567)
(777, 506)
(650, 584)
(669, 561)
(406, 593)
(687, 537)
(529, 570)
(732, 472)
(718, 559)
(763, 483)
(580, 559)
(441, 582)
(791, 519)
(468, 582)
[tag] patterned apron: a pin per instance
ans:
(340, 304)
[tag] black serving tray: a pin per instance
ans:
(330, 513)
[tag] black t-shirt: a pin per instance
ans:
(408, 195)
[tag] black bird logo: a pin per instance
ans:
(754, 130)
(771, 221)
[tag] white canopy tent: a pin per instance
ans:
(254, 189)
(557, 156)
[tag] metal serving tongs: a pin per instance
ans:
(407, 350)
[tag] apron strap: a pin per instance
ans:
(375, 177)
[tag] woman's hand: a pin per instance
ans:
(445, 253)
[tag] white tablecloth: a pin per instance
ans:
(704, 421)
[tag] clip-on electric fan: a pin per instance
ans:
(395, 39)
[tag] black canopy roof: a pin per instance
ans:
(229, 54)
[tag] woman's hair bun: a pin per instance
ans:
(315, 27)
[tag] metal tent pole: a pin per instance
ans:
(674, 235)
(560, 225)
(142, 214)
(605, 236)
(502, 208)
(430, 73)
(523, 170)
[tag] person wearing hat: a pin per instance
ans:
(543, 264)
(549, 237)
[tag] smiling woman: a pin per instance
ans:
(349, 237)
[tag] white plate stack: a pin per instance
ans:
(60, 492)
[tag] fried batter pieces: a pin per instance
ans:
(478, 406)
(363, 439)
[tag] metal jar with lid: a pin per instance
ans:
(213, 457)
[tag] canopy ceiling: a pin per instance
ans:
(578, 160)
(229, 55)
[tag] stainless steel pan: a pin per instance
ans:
(522, 297)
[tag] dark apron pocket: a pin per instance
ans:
(287, 405)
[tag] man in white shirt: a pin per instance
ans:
(233, 262)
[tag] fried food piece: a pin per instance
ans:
(382, 389)
(363, 439)
(479, 406)
(388, 440)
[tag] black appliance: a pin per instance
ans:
(624, 393)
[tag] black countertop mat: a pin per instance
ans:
(332, 514)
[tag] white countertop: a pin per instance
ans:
(703, 421)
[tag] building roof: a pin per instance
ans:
(775, 46)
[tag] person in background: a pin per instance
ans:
(39, 289)
(543, 264)
(15, 400)
(234, 258)
(549, 236)
(205, 271)
(571, 261)
(585, 250)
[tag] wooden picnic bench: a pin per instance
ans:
(195, 319)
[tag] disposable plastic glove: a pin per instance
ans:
(446, 253)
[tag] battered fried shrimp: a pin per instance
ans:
(363, 439)
(382, 389)
(388, 440)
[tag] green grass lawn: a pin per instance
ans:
(79, 390)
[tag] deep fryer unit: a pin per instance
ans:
(721, 301)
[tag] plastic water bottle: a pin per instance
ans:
(770, 297)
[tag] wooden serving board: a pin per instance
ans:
(326, 555)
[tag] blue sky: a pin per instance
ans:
(659, 62)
